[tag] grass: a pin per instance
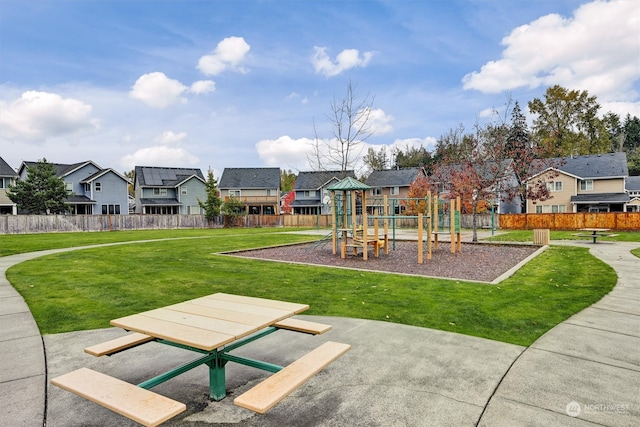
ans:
(85, 289)
(11, 244)
(527, 236)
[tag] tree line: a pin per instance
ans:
(565, 123)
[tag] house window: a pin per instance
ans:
(98, 187)
(376, 191)
(395, 191)
(269, 192)
(538, 209)
(1, 182)
(69, 187)
(183, 190)
(586, 185)
(234, 193)
(558, 208)
(87, 187)
(110, 209)
(310, 194)
(159, 191)
(554, 186)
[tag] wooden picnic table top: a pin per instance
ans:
(210, 322)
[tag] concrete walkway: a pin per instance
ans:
(583, 372)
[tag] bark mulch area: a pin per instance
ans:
(477, 261)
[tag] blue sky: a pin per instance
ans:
(215, 84)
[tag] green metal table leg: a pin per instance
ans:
(217, 378)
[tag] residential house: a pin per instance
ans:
(593, 183)
(632, 187)
(92, 190)
(8, 176)
(393, 183)
(311, 194)
(168, 191)
(257, 188)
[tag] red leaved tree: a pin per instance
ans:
(418, 189)
(287, 200)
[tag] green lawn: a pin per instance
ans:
(85, 289)
(527, 236)
(11, 244)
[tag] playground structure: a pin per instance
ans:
(350, 221)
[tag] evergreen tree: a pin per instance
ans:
(528, 159)
(212, 205)
(42, 192)
(287, 180)
(376, 160)
(413, 157)
(232, 209)
(631, 133)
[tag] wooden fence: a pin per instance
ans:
(22, 224)
(621, 221)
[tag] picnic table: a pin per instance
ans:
(595, 233)
(212, 327)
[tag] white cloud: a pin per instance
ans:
(285, 152)
(158, 155)
(39, 115)
(289, 153)
(203, 86)
(379, 121)
(428, 142)
(296, 95)
(621, 108)
(170, 137)
(347, 59)
(157, 90)
(595, 50)
(228, 54)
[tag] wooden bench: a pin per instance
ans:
(265, 395)
(302, 326)
(119, 344)
(142, 406)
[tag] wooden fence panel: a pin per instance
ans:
(572, 221)
(319, 221)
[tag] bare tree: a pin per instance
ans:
(350, 119)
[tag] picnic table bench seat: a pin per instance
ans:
(118, 344)
(143, 406)
(305, 326)
(269, 392)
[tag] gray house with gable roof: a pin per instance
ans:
(92, 189)
(168, 191)
(311, 194)
(593, 183)
(257, 188)
(393, 183)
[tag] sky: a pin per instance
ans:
(215, 84)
